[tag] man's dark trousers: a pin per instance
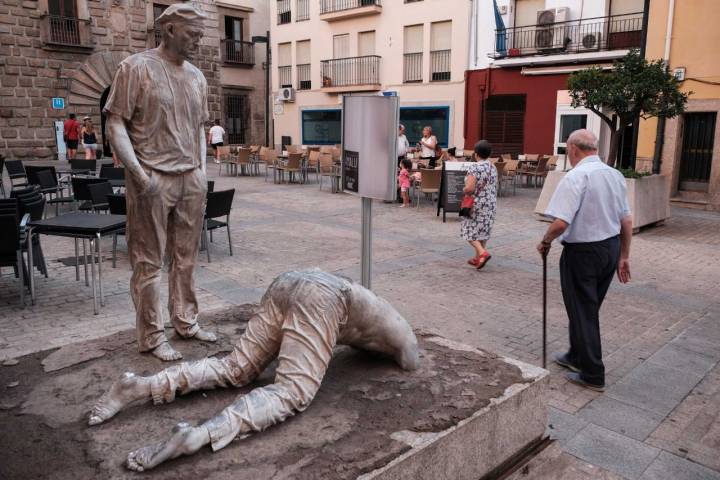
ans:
(586, 271)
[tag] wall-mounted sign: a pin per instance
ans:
(58, 103)
(351, 172)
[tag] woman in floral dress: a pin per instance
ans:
(481, 183)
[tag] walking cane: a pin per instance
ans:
(544, 318)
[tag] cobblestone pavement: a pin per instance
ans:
(661, 333)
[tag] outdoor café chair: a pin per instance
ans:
(225, 159)
(539, 171)
(270, 158)
(552, 163)
(88, 165)
(500, 168)
(243, 161)
(509, 174)
(16, 171)
(30, 201)
(49, 186)
(98, 195)
(292, 167)
(328, 169)
(506, 156)
(11, 248)
(2, 170)
(429, 183)
(219, 204)
(81, 193)
(313, 163)
(117, 205)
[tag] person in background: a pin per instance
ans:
(71, 135)
(440, 156)
(481, 183)
(216, 136)
(89, 139)
(403, 146)
(594, 223)
(427, 145)
(404, 181)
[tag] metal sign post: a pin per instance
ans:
(369, 160)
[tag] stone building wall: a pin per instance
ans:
(32, 71)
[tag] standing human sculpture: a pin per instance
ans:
(156, 112)
(301, 317)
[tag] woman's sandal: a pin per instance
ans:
(475, 261)
(483, 259)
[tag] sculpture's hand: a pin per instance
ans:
(148, 184)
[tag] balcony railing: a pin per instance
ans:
(440, 65)
(413, 67)
(616, 32)
(332, 6)
(237, 52)
(351, 72)
(285, 76)
(67, 31)
(284, 15)
(303, 10)
(304, 80)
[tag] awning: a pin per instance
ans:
(563, 69)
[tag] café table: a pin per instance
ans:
(79, 226)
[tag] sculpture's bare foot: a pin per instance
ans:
(185, 440)
(166, 352)
(128, 389)
(205, 336)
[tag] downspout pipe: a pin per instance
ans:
(643, 51)
(660, 134)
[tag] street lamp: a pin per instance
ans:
(266, 40)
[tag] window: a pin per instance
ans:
(413, 53)
(234, 50)
(63, 22)
(302, 57)
(157, 11)
(285, 65)
(283, 9)
(302, 11)
(440, 45)
(570, 123)
(505, 123)
(321, 127)
(417, 118)
(341, 46)
(237, 115)
(366, 44)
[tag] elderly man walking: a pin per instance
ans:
(592, 219)
(156, 111)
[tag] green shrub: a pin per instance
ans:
(630, 173)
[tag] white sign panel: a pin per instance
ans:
(369, 140)
(59, 140)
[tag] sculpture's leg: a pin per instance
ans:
(309, 335)
(257, 347)
(183, 238)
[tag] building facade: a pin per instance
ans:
(523, 52)
(70, 49)
(324, 49)
(687, 37)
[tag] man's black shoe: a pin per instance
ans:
(576, 379)
(561, 359)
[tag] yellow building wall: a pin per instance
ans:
(695, 45)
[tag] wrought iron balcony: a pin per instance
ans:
(66, 32)
(331, 10)
(237, 52)
(413, 67)
(616, 32)
(351, 74)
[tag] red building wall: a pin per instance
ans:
(540, 104)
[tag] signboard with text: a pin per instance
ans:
(369, 144)
(58, 103)
(451, 187)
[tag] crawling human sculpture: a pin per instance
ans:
(301, 317)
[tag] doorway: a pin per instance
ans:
(697, 151)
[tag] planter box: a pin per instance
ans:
(648, 197)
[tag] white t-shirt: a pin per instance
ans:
(427, 151)
(216, 134)
(402, 145)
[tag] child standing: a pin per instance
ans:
(404, 181)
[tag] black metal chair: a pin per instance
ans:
(98, 195)
(2, 170)
(83, 200)
(11, 245)
(90, 165)
(117, 205)
(211, 185)
(16, 171)
(112, 173)
(31, 201)
(219, 205)
(49, 186)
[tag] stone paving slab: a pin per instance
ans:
(462, 413)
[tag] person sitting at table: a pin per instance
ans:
(427, 145)
(481, 183)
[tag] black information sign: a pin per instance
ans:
(451, 191)
(351, 170)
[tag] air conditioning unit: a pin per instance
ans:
(590, 42)
(287, 94)
(551, 33)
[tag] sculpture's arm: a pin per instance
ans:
(122, 146)
(203, 150)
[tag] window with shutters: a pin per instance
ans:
(413, 53)
(285, 65)
(302, 65)
(505, 123)
(366, 43)
(440, 51)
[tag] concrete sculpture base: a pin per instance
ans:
(463, 413)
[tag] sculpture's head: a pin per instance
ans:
(182, 26)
